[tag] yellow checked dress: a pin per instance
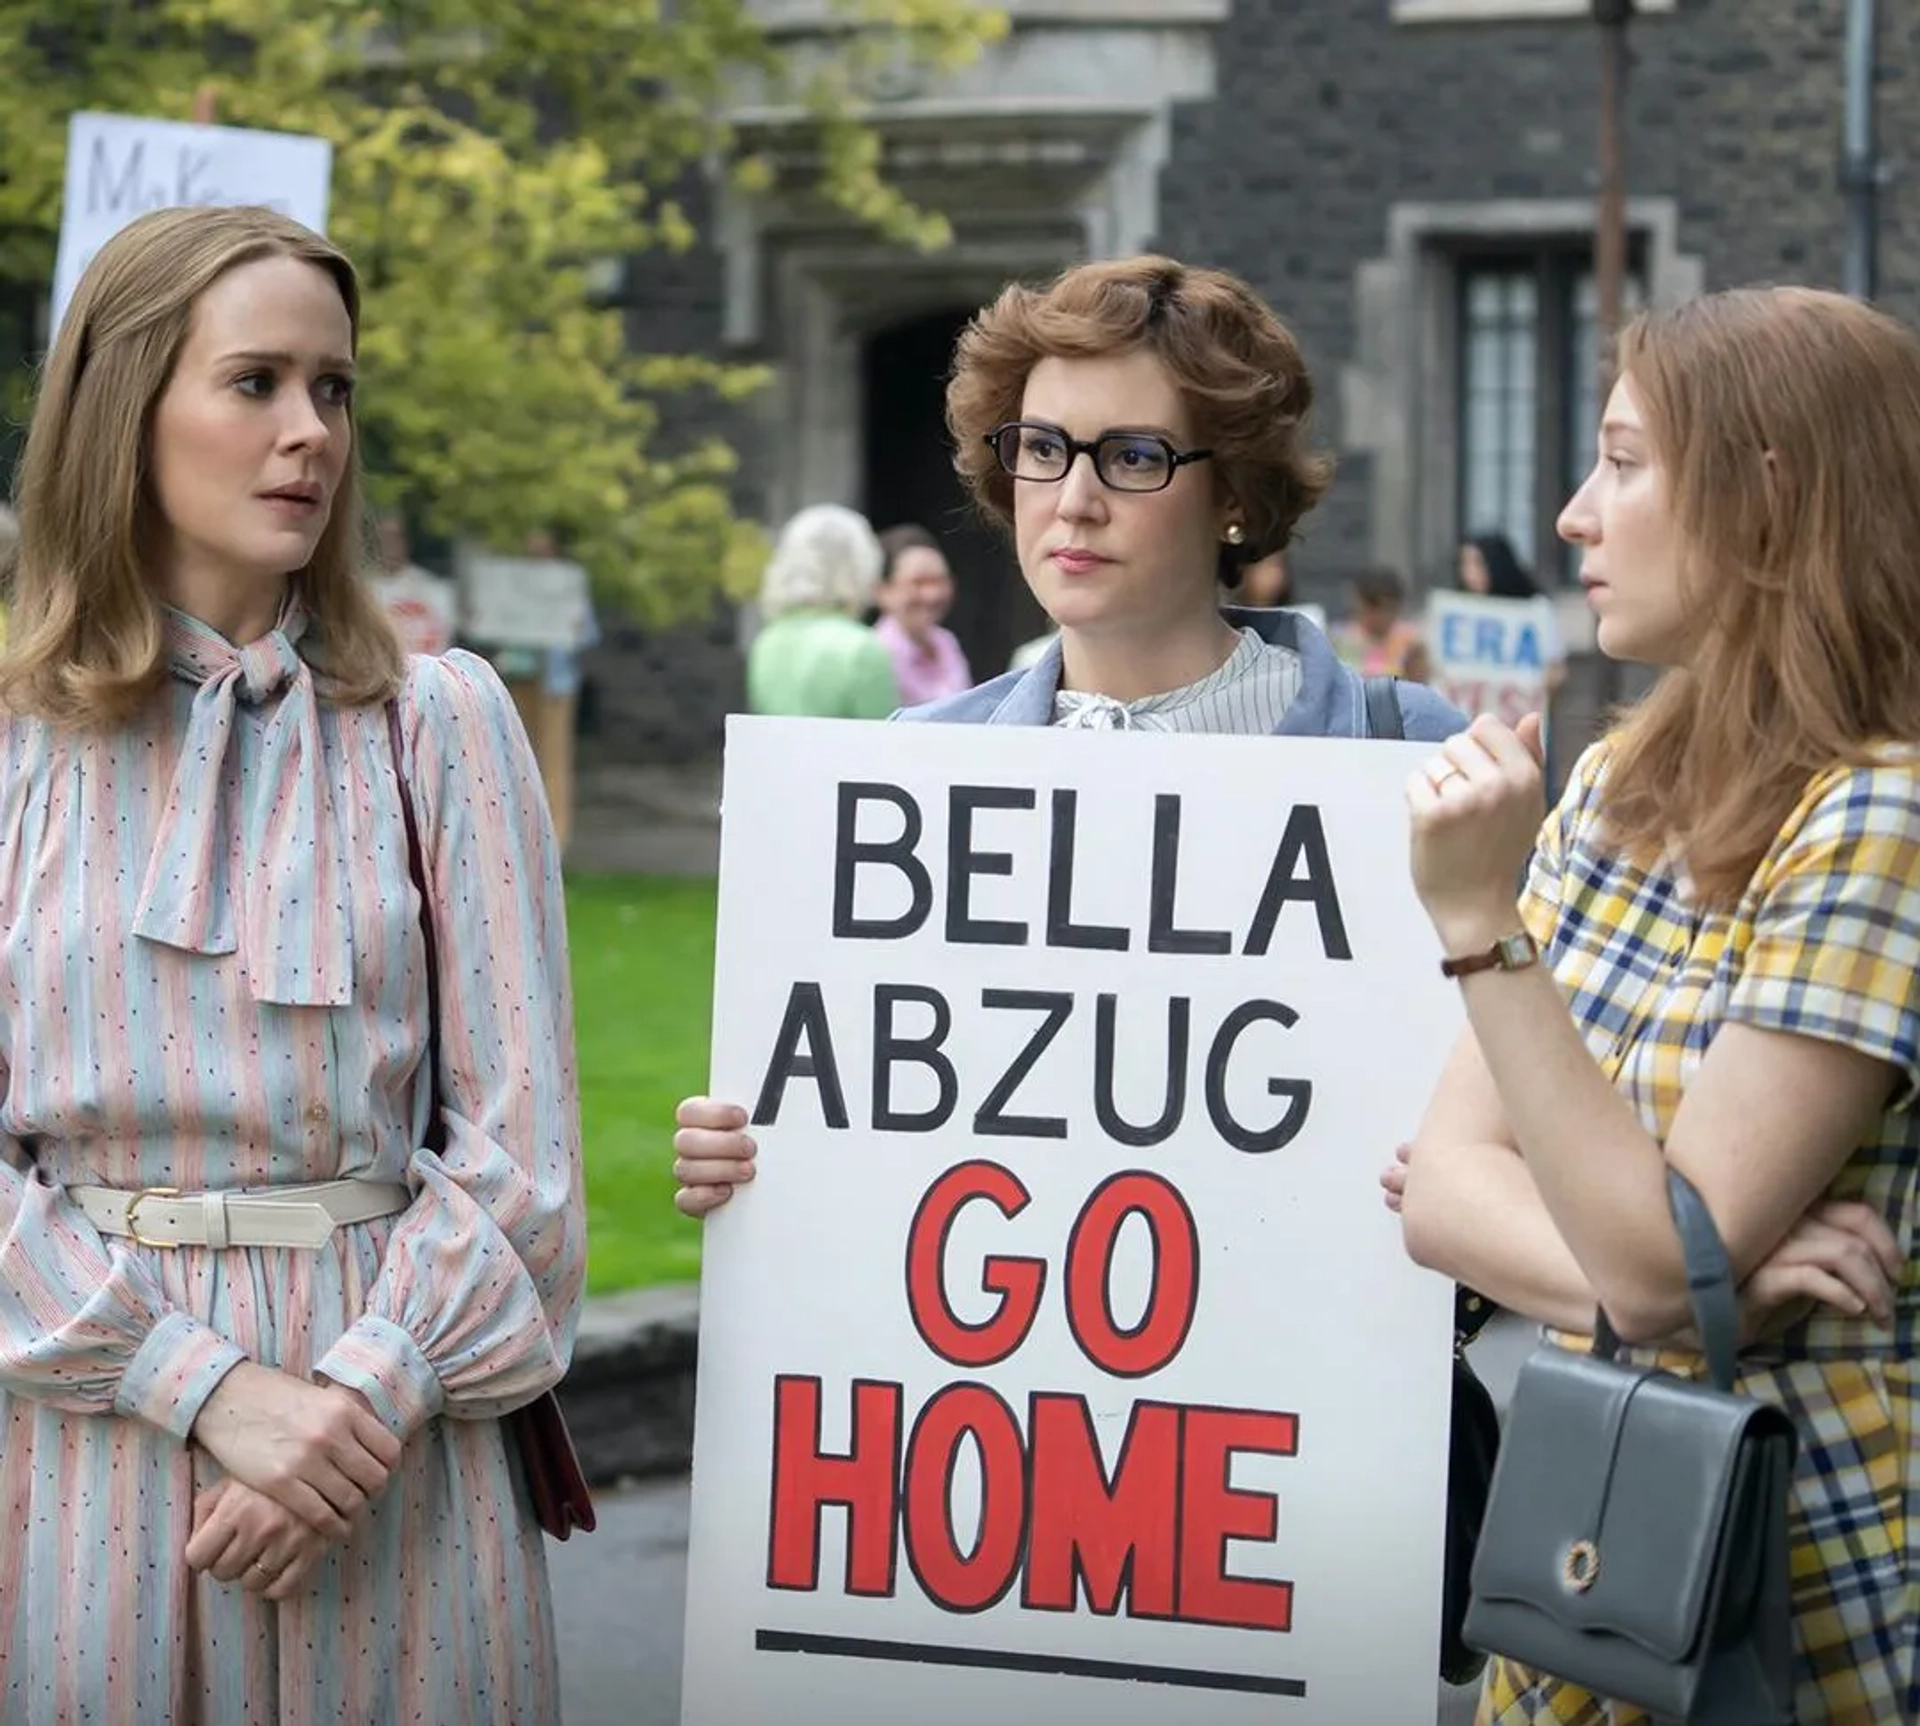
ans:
(1825, 943)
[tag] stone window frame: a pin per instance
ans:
(1399, 393)
(1502, 11)
(1560, 390)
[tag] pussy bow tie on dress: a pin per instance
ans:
(292, 891)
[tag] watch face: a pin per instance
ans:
(1518, 950)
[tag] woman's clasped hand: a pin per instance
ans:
(302, 1462)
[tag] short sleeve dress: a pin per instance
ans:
(212, 976)
(1825, 943)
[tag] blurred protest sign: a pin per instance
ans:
(1492, 655)
(120, 166)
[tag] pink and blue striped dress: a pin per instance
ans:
(212, 976)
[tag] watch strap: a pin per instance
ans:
(1512, 953)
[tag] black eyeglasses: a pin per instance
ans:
(1122, 460)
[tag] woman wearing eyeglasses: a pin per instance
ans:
(1141, 429)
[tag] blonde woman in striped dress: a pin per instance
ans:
(255, 1341)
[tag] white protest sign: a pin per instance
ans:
(120, 166)
(420, 606)
(1063, 1363)
(526, 601)
(1492, 655)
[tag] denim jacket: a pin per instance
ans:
(1331, 702)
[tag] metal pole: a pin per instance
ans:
(1610, 237)
(1610, 230)
(1859, 163)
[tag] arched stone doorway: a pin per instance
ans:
(1045, 151)
(909, 477)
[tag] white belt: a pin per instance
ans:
(293, 1216)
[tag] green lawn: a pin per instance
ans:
(643, 999)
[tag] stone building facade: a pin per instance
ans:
(1410, 182)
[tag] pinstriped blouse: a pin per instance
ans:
(1246, 697)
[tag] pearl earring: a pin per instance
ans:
(1236, 534)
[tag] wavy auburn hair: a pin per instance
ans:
(1787, 421)
(85, 641)
(1237, 367)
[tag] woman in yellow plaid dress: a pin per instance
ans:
(1726, 905)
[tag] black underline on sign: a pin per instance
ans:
(1012, 1660)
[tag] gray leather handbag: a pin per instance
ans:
(1635, 1542)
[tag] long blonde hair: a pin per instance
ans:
(85, 643)
(1788, 422)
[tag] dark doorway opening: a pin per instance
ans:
(910, 477)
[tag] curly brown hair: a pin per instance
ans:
(1236, 365)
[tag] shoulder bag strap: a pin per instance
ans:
(1383, 709)
(556, 1483)
(1710, 1290)
(436, 1137)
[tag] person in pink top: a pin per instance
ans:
(1378, 641)
(916, 592)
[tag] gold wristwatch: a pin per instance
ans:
(1514, 953)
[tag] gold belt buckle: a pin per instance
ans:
(133, 1212)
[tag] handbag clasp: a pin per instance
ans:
(1580, 1570)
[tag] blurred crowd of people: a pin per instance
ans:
(547, 683)
(852, 621)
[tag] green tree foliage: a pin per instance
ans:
(492, 159)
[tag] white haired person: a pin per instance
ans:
(813, 657)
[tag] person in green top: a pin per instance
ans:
(813, 657)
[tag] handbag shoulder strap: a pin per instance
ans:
(1710, 1290)
(416, 866)
(1383, 709)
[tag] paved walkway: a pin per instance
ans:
(619, 1596)
(640, 819)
